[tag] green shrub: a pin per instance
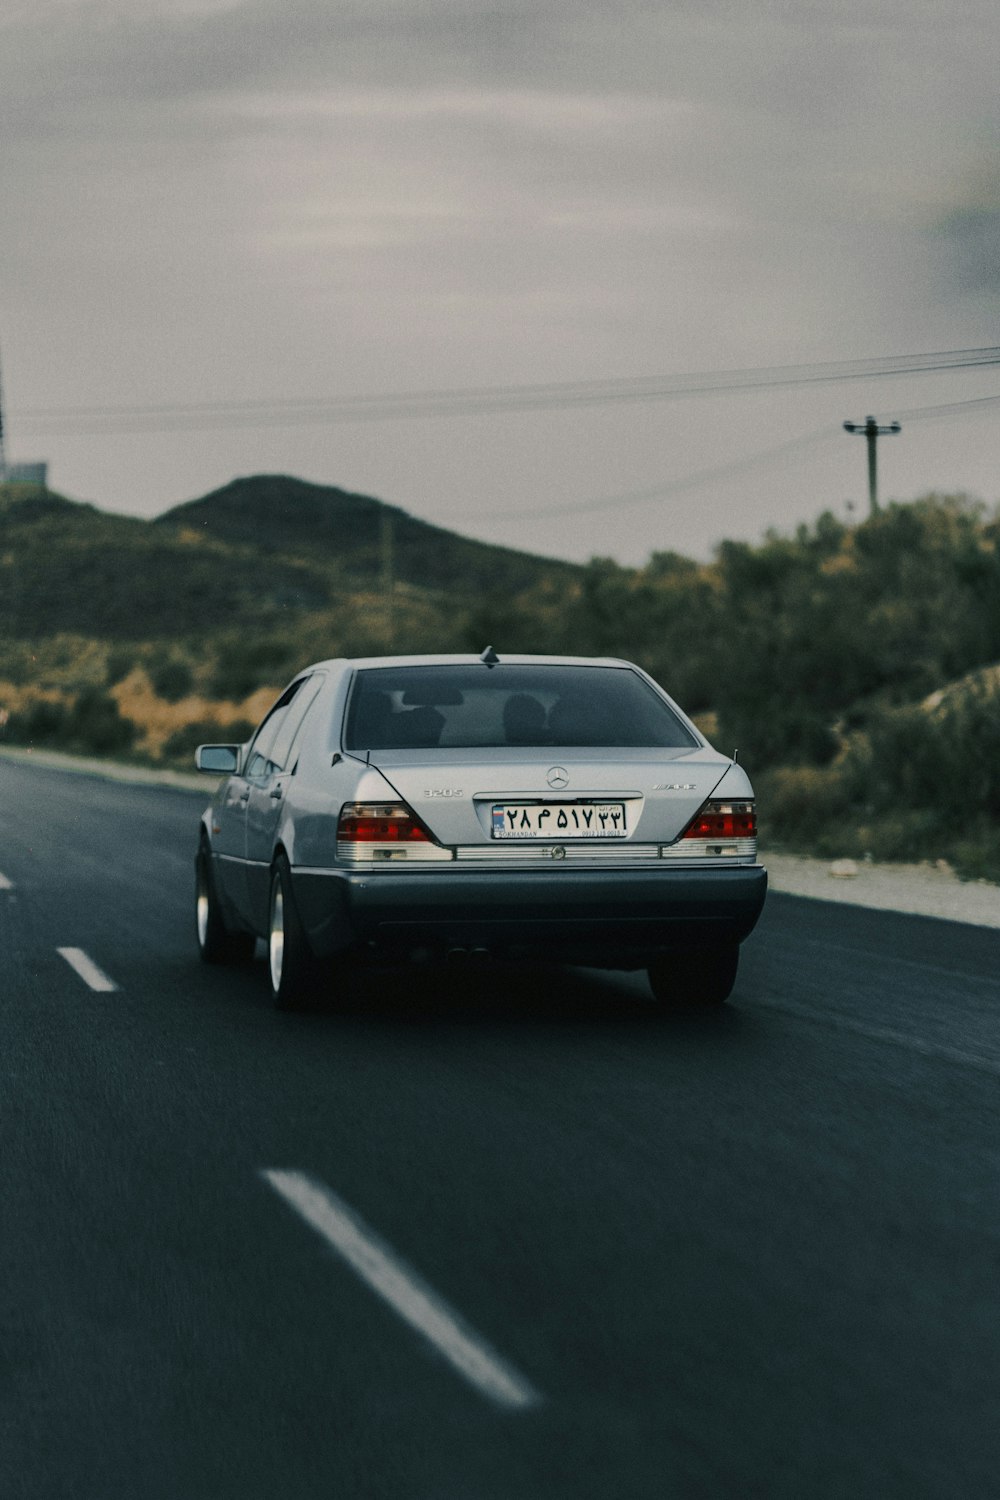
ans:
(119, 665)
(183, 742)
(91, 725)
(95, 724)
(172, 679)
(913, 785)
(246, 663)
(42, 724)
(796, 801)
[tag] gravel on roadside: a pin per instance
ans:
(925, 890)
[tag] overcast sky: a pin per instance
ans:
(271, 200)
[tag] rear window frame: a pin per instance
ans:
(685, 737)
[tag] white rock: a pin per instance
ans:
(844, 869)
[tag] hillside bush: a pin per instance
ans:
(119, 665)
(96, 724)
(90, 724)
(172, 679)
(914, 783)
(181, 745)
(244, 663)
(42, 723)
(885, 612)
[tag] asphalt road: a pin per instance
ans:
(755, 1254)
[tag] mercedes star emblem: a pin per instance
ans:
(558, 777)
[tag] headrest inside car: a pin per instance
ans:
(430, 696)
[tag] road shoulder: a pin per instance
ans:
(922, 890)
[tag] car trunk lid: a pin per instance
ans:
(455, 792)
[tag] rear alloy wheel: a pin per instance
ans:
(290, 963)
(216, 943)
(695, 981)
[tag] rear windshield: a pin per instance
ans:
(418, 708)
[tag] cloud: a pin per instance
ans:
(243, 197)
(969, 232)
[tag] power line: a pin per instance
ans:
(484, 400)
(947, 408)
(763, 458)
(660, 491)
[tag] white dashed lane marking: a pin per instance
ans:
(404, 1290)
(88, 970)
(5, 884)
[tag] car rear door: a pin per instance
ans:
(229, 841)
(271, 764)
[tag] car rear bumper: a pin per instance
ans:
(620, 918)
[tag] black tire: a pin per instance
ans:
(217, 944)
(291, 966)
(695, 981)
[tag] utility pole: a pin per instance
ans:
(872, 431)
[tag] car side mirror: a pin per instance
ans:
(221, 760)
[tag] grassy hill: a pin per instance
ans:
(185, 619)
(288, 518)
(259, 545)
(70, 567)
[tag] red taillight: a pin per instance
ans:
(719, 821)
(379, 823)
(378, 831)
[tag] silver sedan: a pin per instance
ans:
(524, 808)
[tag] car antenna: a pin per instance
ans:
(489, 657)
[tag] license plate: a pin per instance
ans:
(559, 821)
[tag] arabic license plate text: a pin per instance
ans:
(559, 821)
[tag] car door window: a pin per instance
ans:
(282, 749)
(260, 761)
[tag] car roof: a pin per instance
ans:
(470, 660)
